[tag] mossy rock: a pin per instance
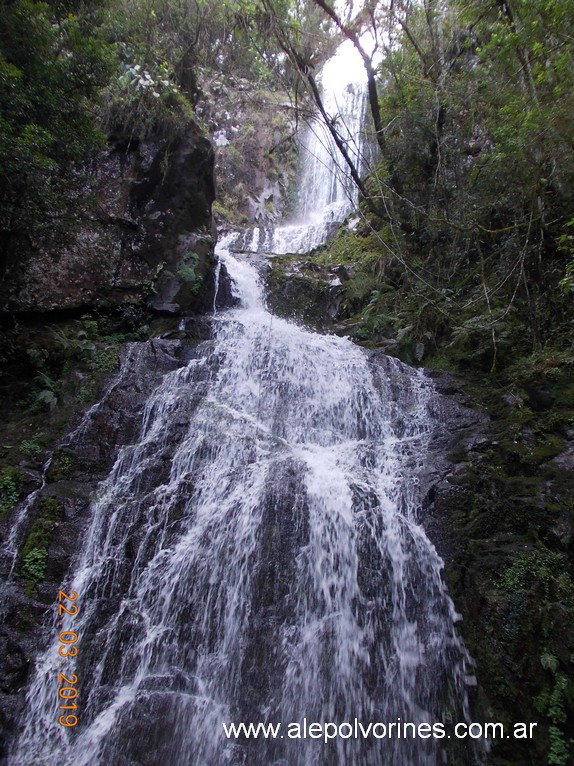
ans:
(34, 553)
(550, 447)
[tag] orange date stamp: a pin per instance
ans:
(67, 690)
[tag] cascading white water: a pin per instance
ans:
(326, 191)
(265, 564)
(257, 555)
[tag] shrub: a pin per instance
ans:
(9, 488)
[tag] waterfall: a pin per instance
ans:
(326, 191)
(257, 554)
(268, 564)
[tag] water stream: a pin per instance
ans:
(258, 555)
(326, 192)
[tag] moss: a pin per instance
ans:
(560, 420)
(300, 296)
(86, 393)
(440, 362)
(550, 447)
(228, 213)
(187, 271)
(34, 553)
(513, 578)
(40, 532)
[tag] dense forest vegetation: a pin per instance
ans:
(471, 114)
(463, 259)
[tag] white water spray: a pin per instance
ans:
(327, 193)
(257, 555)
(276, 570)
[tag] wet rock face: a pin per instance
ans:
(255, 150)
(297, 289)
(499, 511)
(142, 227)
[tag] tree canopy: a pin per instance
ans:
(464, 97)
(51, 70)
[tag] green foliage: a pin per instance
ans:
(78, 344)
(105, 360)
(44, 393)
(187, 271)
(34, 554)
(144, 102)
(360, 288)
(64, 362)
(567, 283)
(86, 393)
(541, 570)
(229, 215)
(552, 702)
(440, 362)
(548, 364)
(559, 753)
(347, 248)
(51, 67)
(477, 104)
(130, 67)
(10, 479)
(33, 567)
(161, 46)
(31, 447)
(61, 466)
(540, 582)
(566, 244)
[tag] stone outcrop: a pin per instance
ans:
(141, 233)
(253, 133)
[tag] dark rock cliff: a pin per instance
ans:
(256, 156)
(140, 234)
